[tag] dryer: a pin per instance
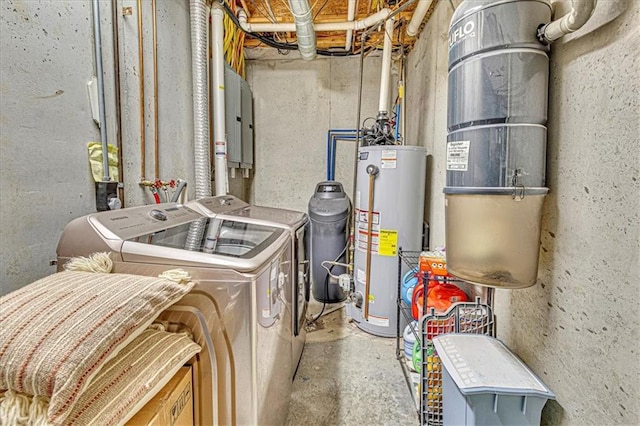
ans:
(241, 310)
(297, 225)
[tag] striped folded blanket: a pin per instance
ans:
(59, 332)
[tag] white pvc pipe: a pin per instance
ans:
(418, 15)
(385, 77)
(362, 24)
(581, 11)
(217, 84)
(351, 15)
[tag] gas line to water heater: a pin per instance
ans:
(372, 171)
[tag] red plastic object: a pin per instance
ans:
(440, 296)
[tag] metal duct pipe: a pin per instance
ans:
(199, 59)
(418, 15)
(217, 82)
(351, 14)
(303, 18)
(361, 24)
(97, 38)
(385, 77)
(581, 11)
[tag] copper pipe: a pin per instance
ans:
(156, 162)
(143, 159)
(372, 171)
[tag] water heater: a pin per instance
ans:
(395, 177)
(496, 143)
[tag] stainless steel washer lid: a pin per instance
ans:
(483, 364)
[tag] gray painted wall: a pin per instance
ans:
(46, 60)
(295, 104)
(577, 328)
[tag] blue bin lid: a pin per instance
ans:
(482, 364)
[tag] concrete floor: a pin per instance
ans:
(348, 377)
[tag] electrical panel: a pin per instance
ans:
(247, 125)
(233, 116)
(238, 103)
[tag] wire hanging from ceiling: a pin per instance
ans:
(274, 40)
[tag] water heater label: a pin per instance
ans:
(388, 245)
(362, 230)
(363, 216)
(389, 159)
(379, 321)
(458, 155)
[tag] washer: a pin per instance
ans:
(248, 305)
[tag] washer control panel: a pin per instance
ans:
(134, 221)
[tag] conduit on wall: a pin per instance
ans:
(143, 150)
(100, 76)
(217, 83)
(156, 154)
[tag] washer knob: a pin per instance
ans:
(158, 214)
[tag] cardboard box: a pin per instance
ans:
(172, 406)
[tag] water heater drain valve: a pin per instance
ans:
(357, 299)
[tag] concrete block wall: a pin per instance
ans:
(46, 61)
(295, 104)
(578, 327)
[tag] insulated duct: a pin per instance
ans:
(306, 35)
(199, 59)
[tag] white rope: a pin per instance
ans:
(21, 409)
(38, 411)
(179, 276)
(97, 262)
